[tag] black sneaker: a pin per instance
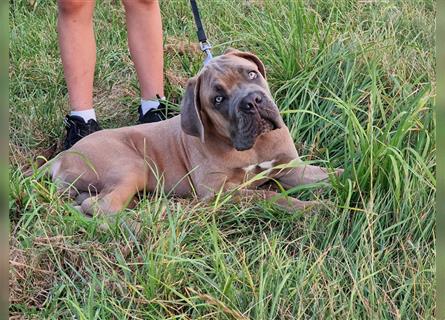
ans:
(153, 115)
(77, 128)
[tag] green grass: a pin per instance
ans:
(355, 82)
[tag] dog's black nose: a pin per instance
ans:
(251, 101)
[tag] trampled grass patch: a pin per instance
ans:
(355, 83)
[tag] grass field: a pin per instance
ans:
(355, 82)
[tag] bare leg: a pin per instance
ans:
(78, 50)
(145, 41)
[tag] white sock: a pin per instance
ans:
(85, 114)
(147, 105)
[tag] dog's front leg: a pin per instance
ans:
(286, 202)
(305, 174)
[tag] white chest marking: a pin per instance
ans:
(263, 165)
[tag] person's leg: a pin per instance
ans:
(78, 51)
(144, 26)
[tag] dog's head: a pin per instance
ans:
(230, 98)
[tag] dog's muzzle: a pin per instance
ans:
(259, 106)
(256, 114)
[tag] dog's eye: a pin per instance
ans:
(219, 99)
(252, 75)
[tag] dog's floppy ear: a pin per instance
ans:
(191, 122)
(249, 56)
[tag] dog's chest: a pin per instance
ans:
(256, 173)
(257, 168)
(260, 171)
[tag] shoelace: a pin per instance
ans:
(90, 126)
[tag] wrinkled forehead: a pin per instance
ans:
(226, 70)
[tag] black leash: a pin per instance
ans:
(203, 42)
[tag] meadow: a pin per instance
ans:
(355, 83)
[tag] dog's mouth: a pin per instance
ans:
(250, 127)
(269, 119)
(266, 125)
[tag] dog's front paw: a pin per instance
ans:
(292, 204)
(339, 171)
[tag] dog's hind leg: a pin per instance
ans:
(114, 199)
(81, 197)
(108, 203)
(65, 188)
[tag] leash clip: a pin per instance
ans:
(205, 47)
